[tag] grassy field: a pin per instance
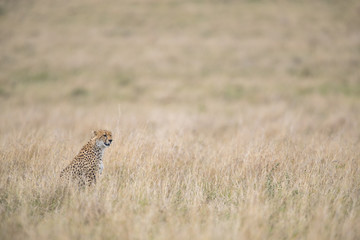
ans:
(230, 119)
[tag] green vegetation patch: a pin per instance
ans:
(326, 89)
(233, 92)
(79, 92)
(4, 93)
(123, 78)
(28, 76)
(2, 11)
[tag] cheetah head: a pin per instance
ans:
(103, 138)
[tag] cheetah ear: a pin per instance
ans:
(94, 133)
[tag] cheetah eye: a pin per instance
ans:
(104, 135)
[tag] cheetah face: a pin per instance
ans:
(103, 138)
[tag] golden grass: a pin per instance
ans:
(261, 174)
(231, 120)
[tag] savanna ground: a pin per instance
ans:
(231, 119)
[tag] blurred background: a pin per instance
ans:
(196, 56)
(233, 119)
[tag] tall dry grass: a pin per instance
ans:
(263, 174)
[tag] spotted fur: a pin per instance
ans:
(89, 162)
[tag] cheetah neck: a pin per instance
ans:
(96, 148)
(99, 149)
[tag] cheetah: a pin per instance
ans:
(89, 161)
